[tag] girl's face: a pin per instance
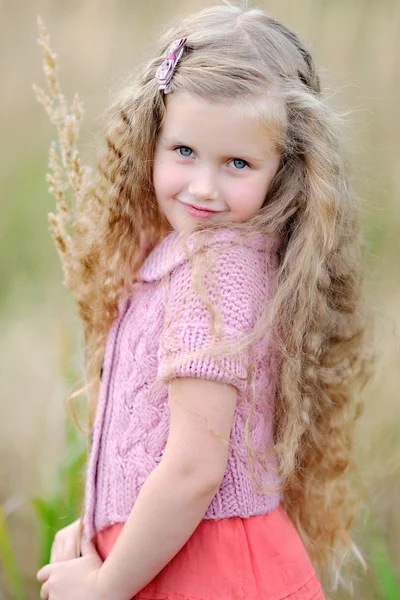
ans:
(211, 156)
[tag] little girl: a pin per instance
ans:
(218, 273)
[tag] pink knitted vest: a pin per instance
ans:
(132, 418)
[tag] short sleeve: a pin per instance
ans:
(230, 302)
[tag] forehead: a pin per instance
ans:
(232, 127)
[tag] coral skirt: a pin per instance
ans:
(259, 558)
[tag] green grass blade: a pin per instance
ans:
(8, 559)
(388, 584)
(47, 524)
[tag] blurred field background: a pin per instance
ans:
(356, 46)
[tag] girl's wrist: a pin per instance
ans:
(103, 586)
(106, 590)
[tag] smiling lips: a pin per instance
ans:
(200, 209)
(199, 213)
(203, 209)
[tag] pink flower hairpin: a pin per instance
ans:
(166, 69)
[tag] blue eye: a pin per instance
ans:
(239, 163)
(184, 151)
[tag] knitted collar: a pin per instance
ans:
(168, 254)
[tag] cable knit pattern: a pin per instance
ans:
(132, 420)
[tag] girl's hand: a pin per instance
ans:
(64, 544)
(76, 579)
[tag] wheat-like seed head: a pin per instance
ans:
(66, 174)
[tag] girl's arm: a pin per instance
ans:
(177, 493)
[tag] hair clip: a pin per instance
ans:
(166, 69)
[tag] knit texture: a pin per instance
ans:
(157, 328)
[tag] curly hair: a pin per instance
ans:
(320, 323)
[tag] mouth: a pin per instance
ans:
(196, 211)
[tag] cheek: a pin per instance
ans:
(167, 178)
(246, 196)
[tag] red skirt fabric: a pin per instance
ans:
(260, 558)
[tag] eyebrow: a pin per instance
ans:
(177, 142)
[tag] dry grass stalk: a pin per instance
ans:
(66, 171)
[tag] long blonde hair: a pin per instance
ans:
(321, 325)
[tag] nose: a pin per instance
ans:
(203, 185)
